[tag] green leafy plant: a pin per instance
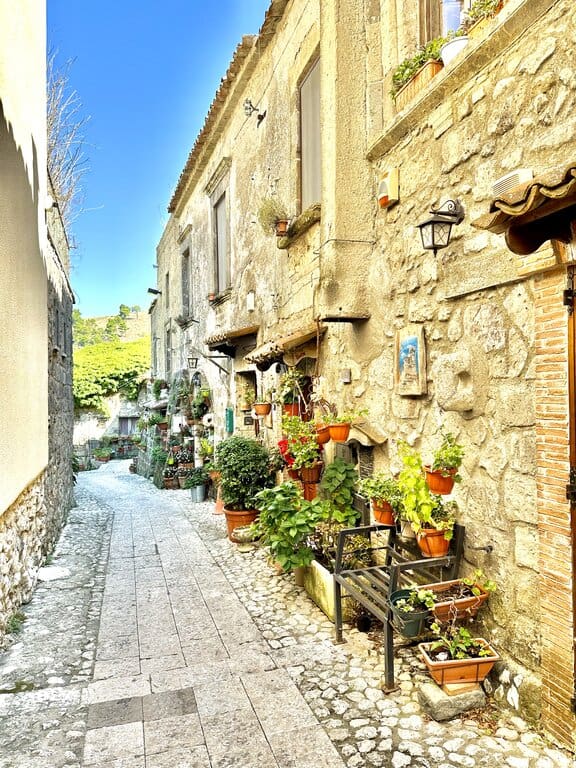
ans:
(199, 406)
(158, 455)
(14, 623)
(302, 444)
(206, 448)
(291, 383)
(419, 507)
(244, 466)
(448, 456)
(482, 9)
(195, 477)
(406, 70)
(157, 387)
(271, 211)
(337, 488)
(417, 600)
(348, 417)
(478, 578)
(382, 487)
(155, 418)
(102, 453)
(286, 521)
(455, 642)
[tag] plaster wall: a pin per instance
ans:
(23, 288)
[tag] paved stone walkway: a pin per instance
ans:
(164, 646)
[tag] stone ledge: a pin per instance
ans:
(440, 706)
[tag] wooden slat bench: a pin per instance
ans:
(402, 566)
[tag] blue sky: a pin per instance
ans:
(146, 72)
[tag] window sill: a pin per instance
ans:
(300, 225)
(506, 27)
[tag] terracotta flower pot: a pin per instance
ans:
(339, 432)
(458, 607)
(322, 435)
(291, 409)
(460, 670)
(238, 517)
(311, 474)
(262, 409)
(432, 542)
(440, 482)
(383, 512)
(293, 474)
(281, 227)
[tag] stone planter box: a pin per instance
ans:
(319, 586)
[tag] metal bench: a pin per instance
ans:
(402, 566)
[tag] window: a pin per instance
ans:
(221, 261)
(186, 304)
(310, 150)
(438, 17)
(127, 425)
(167, 291)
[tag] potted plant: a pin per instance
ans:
(285, 522)
(457, 657)
(273, 217)
(182, 473)
(304, 450)
(385, 497)
(339, 425)
(170, 479)
(196, 482)
(246, 398)
(291, 393)
(460, 598)
(411, 609)
(454, 44)
(478, 16)
(263, 406)
(416, 71)
(206, 449)
(430, 519)
(157, 387)
(102, 454)
(446, 460)
(244, 466)
(336, 498)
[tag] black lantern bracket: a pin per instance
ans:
(436, 231)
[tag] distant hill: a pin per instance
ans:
(137, 324)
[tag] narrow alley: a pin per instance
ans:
(155, 643)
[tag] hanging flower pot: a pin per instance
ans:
(322, 434)
(432, 542)
(262, 409)
(440, 482)
(339, 432)
(291, 409)
(309, 491)
(311, 474)
(383, 512)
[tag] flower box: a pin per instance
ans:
(420, 80)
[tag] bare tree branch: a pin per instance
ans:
(67, 161)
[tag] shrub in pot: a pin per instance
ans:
(457, 657)
(244, 466)
(196, 481)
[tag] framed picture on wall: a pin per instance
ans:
(410, 361)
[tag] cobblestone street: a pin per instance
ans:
(161, 645)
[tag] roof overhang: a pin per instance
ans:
(228, 341)
(276, 350)
(531, 213)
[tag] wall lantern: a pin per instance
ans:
(154, 291)
(436, 230)
(192, 363)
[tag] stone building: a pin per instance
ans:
(339, 296)
(36, 300)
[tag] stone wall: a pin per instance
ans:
(508, 102)
(22, 538)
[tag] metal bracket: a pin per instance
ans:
(568, 295)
